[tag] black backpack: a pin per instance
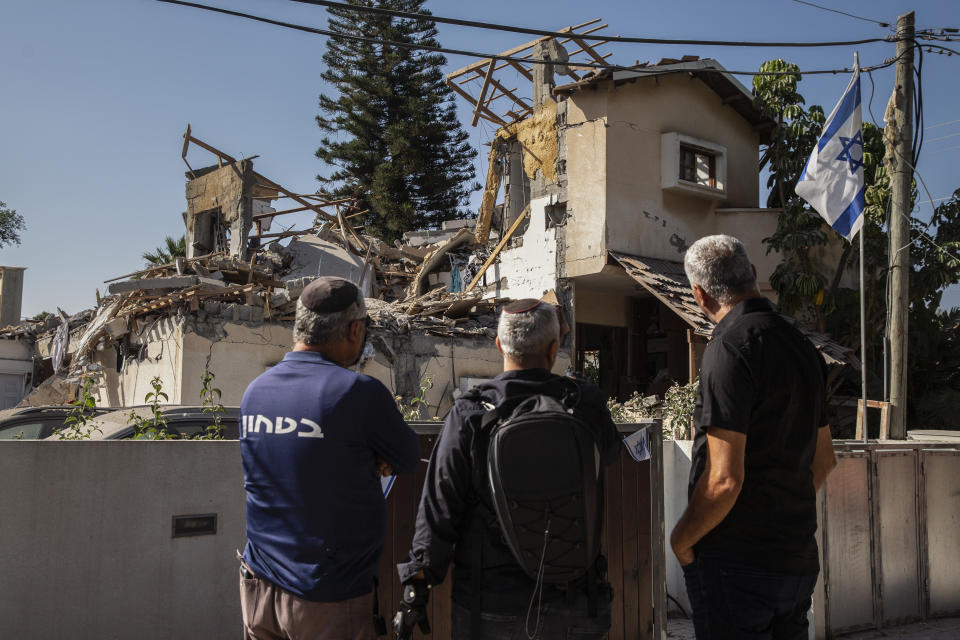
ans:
(543, 471)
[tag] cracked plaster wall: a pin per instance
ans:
(178, 349)
(155, 350)
(530, 268)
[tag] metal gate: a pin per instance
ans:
(890, 535)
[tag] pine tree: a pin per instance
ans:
(391, 135)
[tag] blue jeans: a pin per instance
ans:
(733, 601)
(558, 621)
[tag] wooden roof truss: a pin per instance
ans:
(479, 84)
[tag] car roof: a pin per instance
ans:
(113, 423)
(19, 412)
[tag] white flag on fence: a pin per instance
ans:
(832, 181)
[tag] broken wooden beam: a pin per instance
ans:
(498, 248)
(433, 260)
(487, 202)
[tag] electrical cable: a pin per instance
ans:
(942, 124)
(950, 52)
(561, 34)
(952, 135)
(933, 153)
(882, 24)
(651, 71)
(870, 102)
(918, 106)
(925, 225)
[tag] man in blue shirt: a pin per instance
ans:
(315, 438)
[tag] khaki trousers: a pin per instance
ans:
(270, 613)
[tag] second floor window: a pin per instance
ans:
(698, 166)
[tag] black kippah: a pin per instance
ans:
(522, 306)
(329, 295)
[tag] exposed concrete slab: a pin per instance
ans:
(173, 282)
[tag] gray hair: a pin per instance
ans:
(311, 327)
(530, 332)
(720, 266)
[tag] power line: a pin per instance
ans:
(935, 200)
(952, 135)
(950, 52)
(942, 124)
(651, 71)
(561, 34)
(882, 24)
(943, 150)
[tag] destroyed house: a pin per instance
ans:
(599, 186)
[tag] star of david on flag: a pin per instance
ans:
(832, 180)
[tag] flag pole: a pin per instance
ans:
(863, 310)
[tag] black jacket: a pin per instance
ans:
(452, 500)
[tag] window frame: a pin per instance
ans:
(675, 149)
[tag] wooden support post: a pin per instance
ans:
(692, 355)
(483, 93)
(901, 178)
(884, 418)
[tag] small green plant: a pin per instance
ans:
(676, 409)
(413, 410)
(79, 423)
(591, 366)
(678, 405)
(154, 426)
(210, 399)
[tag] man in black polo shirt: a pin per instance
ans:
(762, 450)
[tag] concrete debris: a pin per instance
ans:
(237, 274)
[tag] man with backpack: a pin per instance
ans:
(514, 497)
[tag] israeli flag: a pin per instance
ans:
(832, 181)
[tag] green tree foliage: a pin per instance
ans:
(11, 224)
(391, 132)
(807, 286)
(173, 248)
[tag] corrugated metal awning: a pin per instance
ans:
(667, 281)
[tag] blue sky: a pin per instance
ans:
(96, 96)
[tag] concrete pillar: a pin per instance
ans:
(11, 295)
(517, 187)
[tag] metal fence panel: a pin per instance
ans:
(942, 471)
(847, 553)
(898, 548)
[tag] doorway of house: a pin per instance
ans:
(601, 356)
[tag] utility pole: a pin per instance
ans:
(899, 140)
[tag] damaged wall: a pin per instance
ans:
(156, 350)
(235, 353)
(530, 267)
(402, 362)
(220, 199)
(178, 349)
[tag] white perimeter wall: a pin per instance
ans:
(86, 540)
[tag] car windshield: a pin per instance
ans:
(22, 431)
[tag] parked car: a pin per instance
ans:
(36, 423)
(186, 421)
